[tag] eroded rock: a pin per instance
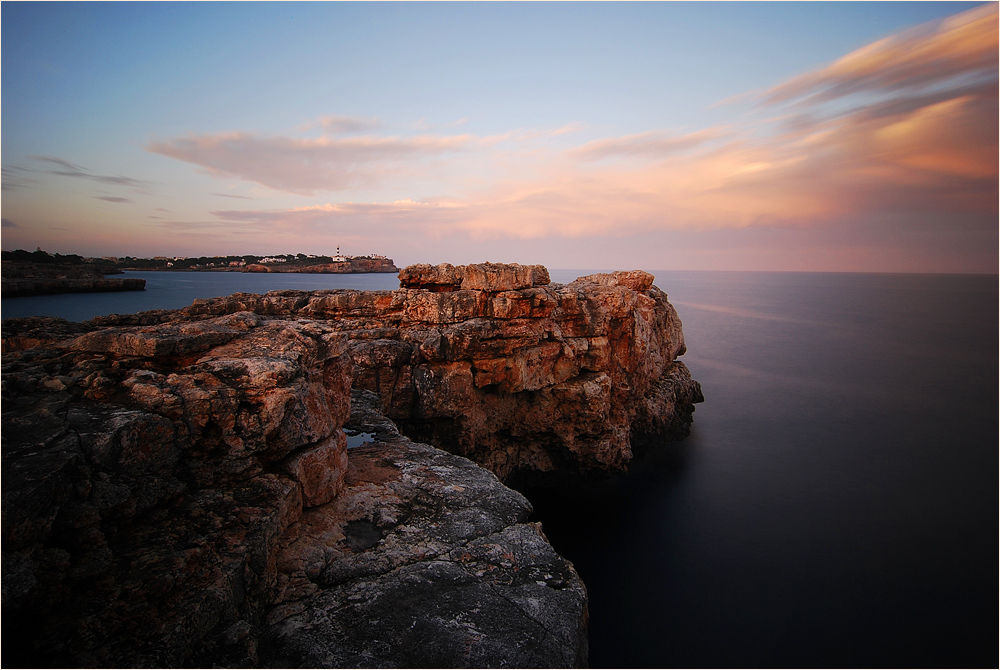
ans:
(493, 362)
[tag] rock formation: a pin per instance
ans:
(177, 488)
(497, 364)
(23, 279)
(181, 494)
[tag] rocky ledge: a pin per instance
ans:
(24, 279)
(178, 490)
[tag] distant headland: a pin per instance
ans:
(38, 272)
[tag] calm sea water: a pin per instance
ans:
(836, 503)
(173, 290)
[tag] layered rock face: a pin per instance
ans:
(495, 363)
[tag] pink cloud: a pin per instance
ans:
(347, 124)
(306, 166)
(653, 144)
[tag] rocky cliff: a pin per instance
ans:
(497, 364)
(177, 488)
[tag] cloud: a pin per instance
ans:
(963, 46)
(73, 170)
(306, 166)
(7, 223)
(653, 144)
(14, 177)
(109, 198)
(347, 124)
(924, 147)
(348, 217)
(58, 161)
(230, 195)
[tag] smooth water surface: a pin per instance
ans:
(174, 290)
(836, 503)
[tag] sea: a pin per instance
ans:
(836, 504)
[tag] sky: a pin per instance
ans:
(785, 136)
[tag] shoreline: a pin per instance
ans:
(23, 288)
(268, 271)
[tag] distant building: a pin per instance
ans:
(340, 259)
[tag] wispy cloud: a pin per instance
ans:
(14, 177)
(347, 124)
(653, 144)
(7, 223)
(939, 53)
(306, 166)
(111, 198)
(72, 170)
(230, 195)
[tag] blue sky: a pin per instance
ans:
(613, 135)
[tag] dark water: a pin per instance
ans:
(836, 503)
